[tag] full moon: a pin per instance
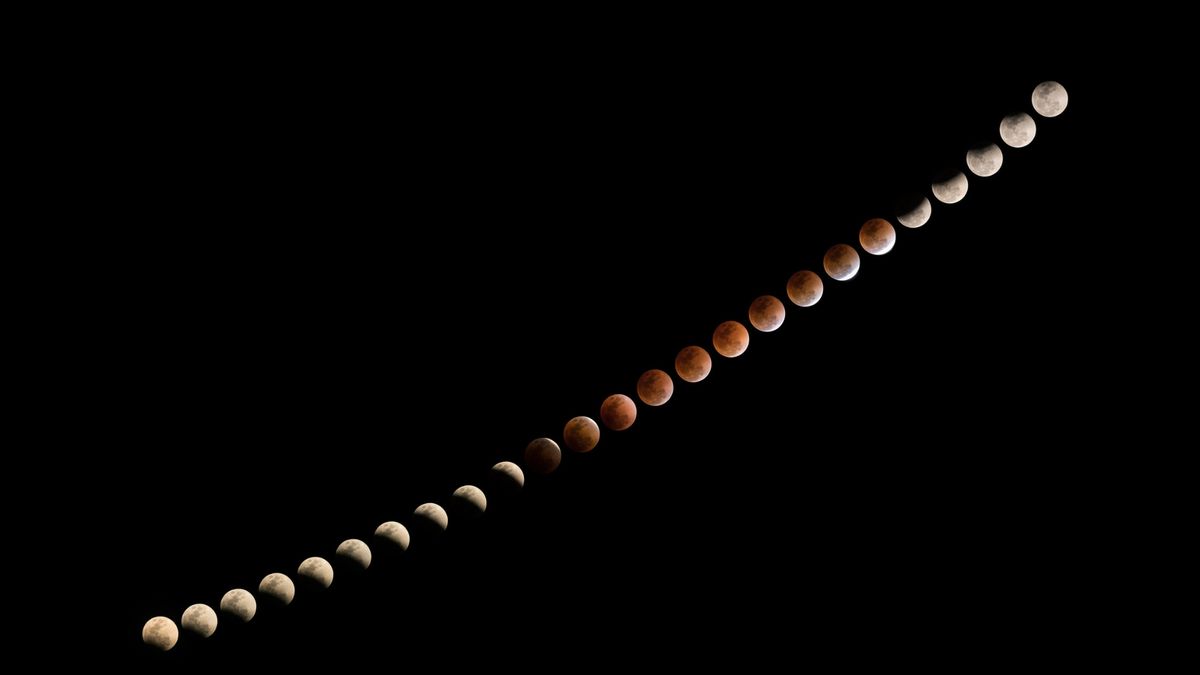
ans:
(433, 514)
(693, 364)
(161, 633)
(317, 569)
(952, 189)
(767, 313)
(240, 603)
(618, 412)
(543, 455)
(355, 550)
(278, 586)
(805, 288)
(470, 500)
(985, 160)
(1018, 129)
(842, 262)
(581, 434)
(877, 236)
(395, 533)
(200, 619)
(655, 387)
(1049, 99)
(915, 213)
(731, 339)
(513, 473)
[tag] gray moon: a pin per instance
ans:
(985, 160)
(395, 533)
(471, 499)
(511, 472)
(767, 313)
(916, 214)
(160, 633)
(434, 514)
(240, 603)
(877, 236)
(355, 550)
(200, 619)
(543, 455)
(1049, 99)
(805, 288)
(1017, 130)
(842, 262)
(279, 586)
(952, 190)
(318, 569)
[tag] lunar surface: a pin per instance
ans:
(952, 189)
(985, 160)
(1017, 130)
(357, 551)
(767, 313)
(581, 434)
(396, 533)
(200, 619)
(731, 339)
(542, 455)
(470, 500)
(433, 514)
(618, 412)
(842, 262)
(317, 569)
(1049, 99)
(877, 236)
(240, 603)
(278, 586)
(655, 387)
(916, 213)
(805, 288)
(510, 472)
(160, 633)
(693, 364)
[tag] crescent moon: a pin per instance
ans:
(916, 212)
(317, 569)
(395, 533)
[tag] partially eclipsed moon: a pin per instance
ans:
(805, 288)
(581, 434)
(1049, 99)
(842, 262)
(240, 603)
(618, 412)
(767, 313)
(1018, 129)
(731, 339)
(471, 500)
(916, 212)
(952, 189)
(318, 569)
(877, 236)
(985, 160)
(200, 619)
(395, 533)
(355, 550)
(543, 455)
(279, 586)
(433, 514)
(511, 472)
(160, 633)
(655, 387)
(693, 364)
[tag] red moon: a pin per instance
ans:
(581, 434)
(877, 236)
(767, 313)
(693, 364)
(805, 288)
(543, 455)
(731, 339)
(618, 412)
(655, 387)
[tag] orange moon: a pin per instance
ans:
(618, 412)
(842, 262)
(767, 313)
(655, 387)
(731, 339)
(581, 434)
(693, 364)
(805, 288)
(877, 236)
(543, 455)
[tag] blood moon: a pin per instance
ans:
(655, 387)
(618, 412)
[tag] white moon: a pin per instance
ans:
(395, 533)
(805, 288)
(240, 603)
(356, 550)
(1049, 99)
(842, 262)
(985, 160)
(918, 214)
(951, 190)
(1017, 130)
(510, 471)
(318, 569)
(877, 236)
(433, 513)
(278, 586)
(200, 619)
(161, 633)
(471, 500)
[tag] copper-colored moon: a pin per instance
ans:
(581, 434)
(805, 288)
(618, 412)
(543, 455)
(731, 339)
(877, 236)
(767, 313)
(693, 364)
(655, 387)
(842, 262)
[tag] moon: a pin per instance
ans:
(511, 472)
(618, 412)
(240, 603)
(842, 262)
(655, 387)
(277, 585)
(952, 189)
(543, 455)
(731, 339)
(805, 288)
(160, 633)
(433, 514)
(767, 313)
(916, 213)
(877, 236)
(693, 364)
(471, 501)
(200, 619)
(319, 569)
(985, 160)
(356, 551)
(581, 434)
(395, 533)
(1017, 130)
(1049, 99)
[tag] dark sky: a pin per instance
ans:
(369, 284)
